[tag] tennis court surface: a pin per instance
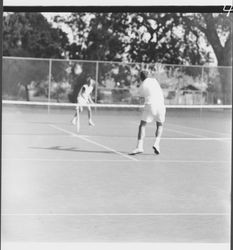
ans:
(60, 186)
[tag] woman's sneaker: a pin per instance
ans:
(91, 123)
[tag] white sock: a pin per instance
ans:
(140, 144)
(157, 141)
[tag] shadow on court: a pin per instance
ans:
(74, 149)
(46, 122)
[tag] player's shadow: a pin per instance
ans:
(74, 149)
(46, 123)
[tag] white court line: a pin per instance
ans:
(133, 137)
(187, 133)
(172, 138)
(104, 160)
(93, 142)
(176, 131)
(200, 129)
(115, 214)
(182, 132)
(197, 138)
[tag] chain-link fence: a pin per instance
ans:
(57, 80)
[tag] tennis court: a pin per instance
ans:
(60, 186)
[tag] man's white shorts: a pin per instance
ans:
(153, 113)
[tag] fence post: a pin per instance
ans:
(202, 81)
(96, 81)
(50, 79)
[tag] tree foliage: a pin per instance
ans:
(217, 31)
(30, 34)
(175, 38)
(97, 36)
(21, 73)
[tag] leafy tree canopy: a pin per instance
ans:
(30, 34)
(176, 38)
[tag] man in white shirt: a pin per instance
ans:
(84, 98)
(154, 110)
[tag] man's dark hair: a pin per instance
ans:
(143, 75)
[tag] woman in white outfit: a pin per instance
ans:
(84, 98)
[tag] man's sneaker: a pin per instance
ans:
(156, 149)
(136, 151)
(91, 123)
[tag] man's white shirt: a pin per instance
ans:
(152, 92)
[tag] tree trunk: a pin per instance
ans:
(224, 58)
(226, 72)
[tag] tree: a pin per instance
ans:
(105, 40)
(97, 36)
(136, 37)
(153, 38)
(30, 35)
(217, 30)
(19, 74)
